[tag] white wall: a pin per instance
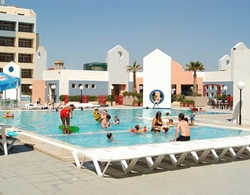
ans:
(225, 63)
(117, 60)
(64, 76)
(240, 55)
(157, 76)
(41, 63)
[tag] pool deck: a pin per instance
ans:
(36, 167)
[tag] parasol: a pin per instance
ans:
(8, 82)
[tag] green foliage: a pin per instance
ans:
(140, 100)
(219, 97)
(92, 98)
(110, 98)
(180, 97)
(61, 97)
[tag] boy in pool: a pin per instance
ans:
(192, 116)
(105, 122)
(116, 120)
(138, 129)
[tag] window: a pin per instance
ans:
(79, 85)
(73, 86)
(26, 73)
(215, 87)
(10, 26)
(25, 27)
(1, 69)
(25, 43)
(6, 57)
(25, 58)
(6, 41)
(93, 86)
(25, 89)
(86, 86)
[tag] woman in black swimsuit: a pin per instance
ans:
(157, 123)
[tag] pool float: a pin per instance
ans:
(10, 116)
(73, 129)
(96, 115)
(11, 134)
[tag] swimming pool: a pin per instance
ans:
(92, 135)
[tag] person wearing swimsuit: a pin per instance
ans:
(157, 123)
(66, 114)
(184, 129)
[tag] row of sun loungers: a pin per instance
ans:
(154, 153)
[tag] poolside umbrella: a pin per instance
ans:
(8, 82)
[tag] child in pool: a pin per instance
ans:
(138, 129)
(116, 120)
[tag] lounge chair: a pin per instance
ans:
(10, 142)
(85, 105)
(128, 156)
(221, 146)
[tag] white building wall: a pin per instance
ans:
(117, 60)
(241, 72)
(64, 76)
(215, 76)
(157, 76)
(224, 63)
(41, 62)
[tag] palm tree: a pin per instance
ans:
(194, 67)
(134, 69)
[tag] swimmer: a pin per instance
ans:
(105, 122)
(116, 120)
(7, 114)
(138, 129)
(110, 136)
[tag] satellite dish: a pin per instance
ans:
(2, 2)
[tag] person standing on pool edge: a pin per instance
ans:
(184, 128)
(66, 114)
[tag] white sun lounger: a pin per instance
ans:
(85, 105)
(227, 145)
(122, 154)
(128, 156)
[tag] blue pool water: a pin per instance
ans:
(92, 135)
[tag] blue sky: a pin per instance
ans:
(82, 31)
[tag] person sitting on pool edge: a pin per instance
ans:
(66, 114)
(105, 122)
(184, 129)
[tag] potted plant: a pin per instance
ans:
(135, 103)
(191, 103)
(182, 104)
(140, 101)
(186, 103)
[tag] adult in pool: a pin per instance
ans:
(66, 114)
